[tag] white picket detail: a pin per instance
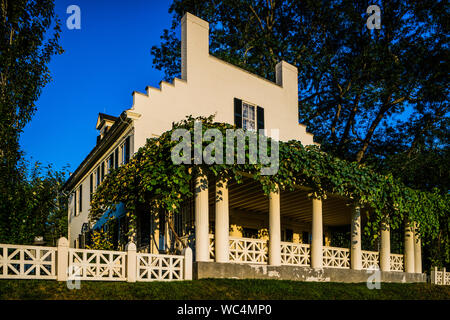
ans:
(158, 267)
(440, 277)
(396, 262)
(97, 265)
(369, 259)
(27, 262)
(296, 254)
(212, 249)
(334, 257)
(247, 250)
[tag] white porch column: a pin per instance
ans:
(385, 247)
(274, 229)
(222, 223)
(409, 248)
(417, 251)
(317, 235)
(201, 219)
(355, 249)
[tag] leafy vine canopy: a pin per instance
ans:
(152, 178)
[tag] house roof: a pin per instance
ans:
(120, 125)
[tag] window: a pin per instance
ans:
(103, 171)
(288, 235)
(126, 151)
(116, 158)
(250, 233)
(110, 162)
(98, 177)
(305, 237)
(248, 116)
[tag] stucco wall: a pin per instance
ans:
(209, 86)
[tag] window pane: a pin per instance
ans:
(251, 112)
(244, 124)
(245, 111)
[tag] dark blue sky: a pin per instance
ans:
(102, 65)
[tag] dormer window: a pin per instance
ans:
(104, 123)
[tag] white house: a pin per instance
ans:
(245, 234)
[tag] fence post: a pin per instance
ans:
(187, 252)
(62, 259)
(131, 261)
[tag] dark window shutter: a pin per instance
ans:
(75, 203)
(116, 160)
(91, 186)
(260, 117)
(238, 112)
(80, 198)
(127, 149)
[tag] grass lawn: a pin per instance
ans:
(217, 289)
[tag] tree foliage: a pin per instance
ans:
(357, 87)
(39, 206)
(152, 178)
(29, 35)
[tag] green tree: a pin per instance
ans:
(29, 38)
(353, 81)
(43, 206)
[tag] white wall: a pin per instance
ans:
(209, 86)
(76, 221)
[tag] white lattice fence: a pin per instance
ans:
(295, 254)
(396, 262)
(247, 250)
(27, 262)
(369, 259)
(334, 257)
(157, 267)
(97, 265)
(440, 277)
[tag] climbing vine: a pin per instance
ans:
(152, 178)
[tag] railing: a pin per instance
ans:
(247, 250)
(396, 262)
(97, 265)
(68, 264)
(27, 262)
(295, 254)
(334, 257)
(156, 267)
(369, 259)
(440, 277)
(212, 249)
